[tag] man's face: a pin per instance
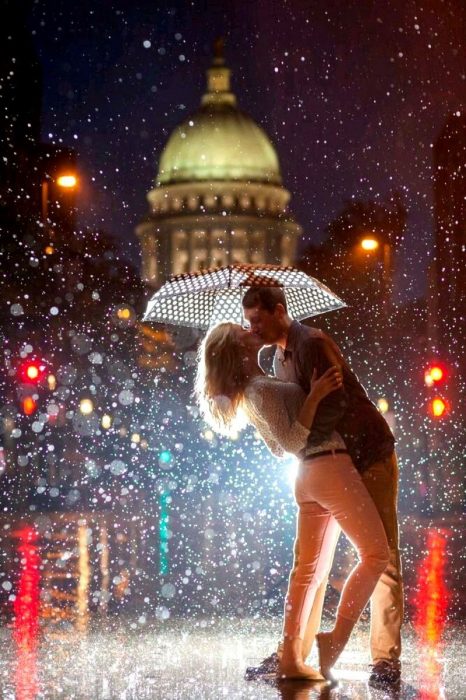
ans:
(264, 324)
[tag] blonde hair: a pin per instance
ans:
(221, 380)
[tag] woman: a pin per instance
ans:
(232, 390)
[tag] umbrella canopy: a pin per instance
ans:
(203, 299)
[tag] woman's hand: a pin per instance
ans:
(331, 380)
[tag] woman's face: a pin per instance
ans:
(249, 343)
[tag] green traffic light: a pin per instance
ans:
(165, 457)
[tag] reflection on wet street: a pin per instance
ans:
(431, 614)
(204, 659)
(26, 620)
(145, 656)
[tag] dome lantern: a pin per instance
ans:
(218, 79)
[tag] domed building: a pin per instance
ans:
(218, 196)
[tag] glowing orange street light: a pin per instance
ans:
(67, 181)
(370, 243)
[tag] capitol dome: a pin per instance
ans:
(218, 142)
(218, 198)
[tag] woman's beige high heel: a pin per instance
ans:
(291, 664)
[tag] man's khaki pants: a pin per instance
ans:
(381, 480)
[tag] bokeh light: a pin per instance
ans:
(86, 407)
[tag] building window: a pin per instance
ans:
(179, 241)
(228, 200)
(193, 202)
(210, 201)
(180, 262)
(286, 246)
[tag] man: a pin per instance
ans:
(370, 443)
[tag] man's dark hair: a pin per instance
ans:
(265, 297)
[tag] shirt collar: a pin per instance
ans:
(287, 352)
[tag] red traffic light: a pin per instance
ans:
(32, 371)
(29, 405)
(438, 407)
(434, 374)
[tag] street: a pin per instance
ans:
(171, 660)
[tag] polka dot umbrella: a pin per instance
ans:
(203, 299)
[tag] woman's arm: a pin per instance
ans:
(330, 381)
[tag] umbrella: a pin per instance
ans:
(203, 299)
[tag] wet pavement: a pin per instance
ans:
(139, 658)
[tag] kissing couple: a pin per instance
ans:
(315, 408)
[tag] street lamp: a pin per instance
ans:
(370, 243)
(65, 181)
(374, 245)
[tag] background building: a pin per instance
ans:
(218, 197)
(35, 207)
(449, 284)
(445, 369)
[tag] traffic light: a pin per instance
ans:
(32, 371)
(438, 407)
(435, 377)
(29, 405)
(33, 374)
(435, 374)
(165, 459)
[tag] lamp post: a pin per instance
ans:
(374, 245)
(371, 244)
(65, 181)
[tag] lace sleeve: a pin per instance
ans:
(272, 407)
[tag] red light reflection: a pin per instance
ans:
(431, 604)
(26, 609)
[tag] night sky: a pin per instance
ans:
(351, 93)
